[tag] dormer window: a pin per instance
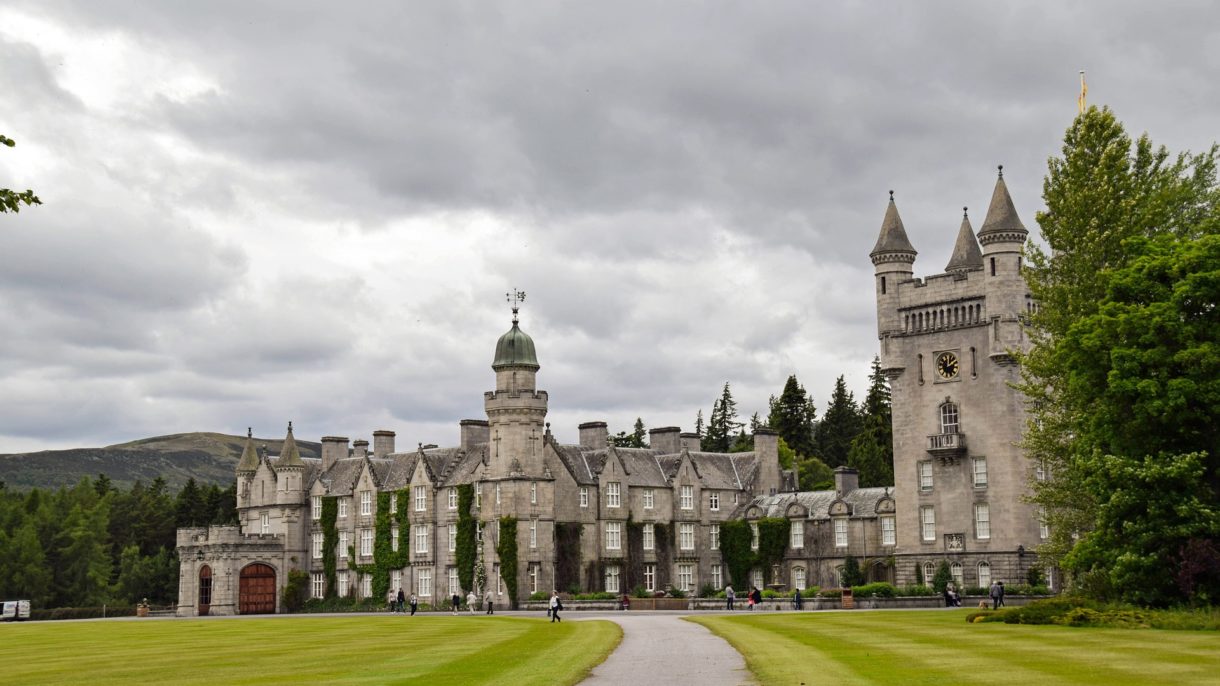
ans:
(613, 498)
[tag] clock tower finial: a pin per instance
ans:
(516, 298)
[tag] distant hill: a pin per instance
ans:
(209, 457)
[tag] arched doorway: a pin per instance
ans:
(256, 594)
(205, 590)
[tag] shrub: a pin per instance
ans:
(539, 595)
(296, 591)
(707, 591)
(342, 604)
(1034, 577)
(41, 613)
(852, 576)
(831, 593)
(879, 589)
(599, 595)
(677, 593)
(916, 590)
(641, 592)
(977, 590)
(1024, 589)
(942, 578)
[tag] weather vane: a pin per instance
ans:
(516, 298)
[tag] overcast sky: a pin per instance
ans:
(263, 212)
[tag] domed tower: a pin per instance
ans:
(516, 410)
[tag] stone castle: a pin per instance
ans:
(595, 517)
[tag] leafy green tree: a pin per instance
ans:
(23, 568)
(83, 575)
(838, 427)
(852, 576)
(872, 450)
(792, 415)
(11, 201)
(1122, 376)
(942, 578)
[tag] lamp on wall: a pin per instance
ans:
(1020, 551)
(199, 554)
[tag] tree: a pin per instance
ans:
(1122, 376)
(838, 427)
(872, 450)
(852, 576)
(722, 426)
(942, 578)
(11, 201)
(699, 426)
(792, 416)
(639, 437)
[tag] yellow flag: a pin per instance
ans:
(1084, 90)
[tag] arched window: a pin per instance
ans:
(839, 576)
(956, 570)
(949, 423)
(929, 571)
(798, 578)
(984, 574)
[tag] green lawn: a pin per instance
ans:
(377, 649)
(939, 647)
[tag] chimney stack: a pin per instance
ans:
(383, 443)
(665, 440)
(474, 432)
(594, 435)
(334, 448)
(846, 479)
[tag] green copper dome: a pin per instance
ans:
(515, 349)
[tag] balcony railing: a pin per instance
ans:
(947, 446)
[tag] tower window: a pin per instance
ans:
(883, 285)
(993, 266)
(949, 419)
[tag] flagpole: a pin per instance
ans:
(1084, 91)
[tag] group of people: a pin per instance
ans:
(398, 602)
(472, 600)
(996, 592)
(754, 597)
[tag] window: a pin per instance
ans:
(497, 494)
(929, 571)
(478, 494)
(423, 582)
(650, 577)
(713, 501)
(798, 578)
(421, 499)
(686, 536)
(614, 536)
(533, 493)
(688, 498)
(495, 572)
(612, 579)
(452, 537)
(717, 577)
(478, 532)
(584, 496)
(754, 536)
(756, 578)
(840, 533)
(982, 521)
(317, 546)
(317, 584)
(454, 586)
(956, 570)
(648, 498)
(925, 476)
(264, 521)
(1044, 530)
(533, 577)
(452, 495)
(888, 536)
(395, 580)
(366, 585)
(948, 419)
(612, 494)
(343, 545)
(315, 507)
(344, 586)
(1040, 470)
(796, 535)
(649, 537)
(394, 533)
(984, 574)
(533, 533)
(342, 507)
(366, 503)
(980, 472)
(421, 539)
(713, 537)
(927, 521)
(366, 543)
(393, 503)
(686, 577)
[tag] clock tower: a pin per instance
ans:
(946, 346)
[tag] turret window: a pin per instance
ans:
(315, 507)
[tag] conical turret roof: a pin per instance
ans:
(966, 252)
(1001, 214)
(289, 455)
(249, 455)
(893, 237)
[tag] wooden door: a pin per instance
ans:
(205, 590)
(257, 590)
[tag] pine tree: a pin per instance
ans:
(792, 416)
(872, 450)
(838, 427)
(639, 437)
(699, 426)
(723, 426)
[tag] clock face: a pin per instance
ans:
(947, 365)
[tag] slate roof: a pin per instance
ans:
(966, 253)
(1001, 214)
(893, 237)
(863, 502)
(249, 454)
(648, 467)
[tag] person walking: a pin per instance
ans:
(994, 592)
(1001, 598)
(756, 596)
(457, 602)
(402, 601)
(391, 601)
(797, 602)
(414, 604)
(490, 600)
(555, 607)
(730, 596)
(471, 601)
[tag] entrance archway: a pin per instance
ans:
(205, 590)
(256, 594)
